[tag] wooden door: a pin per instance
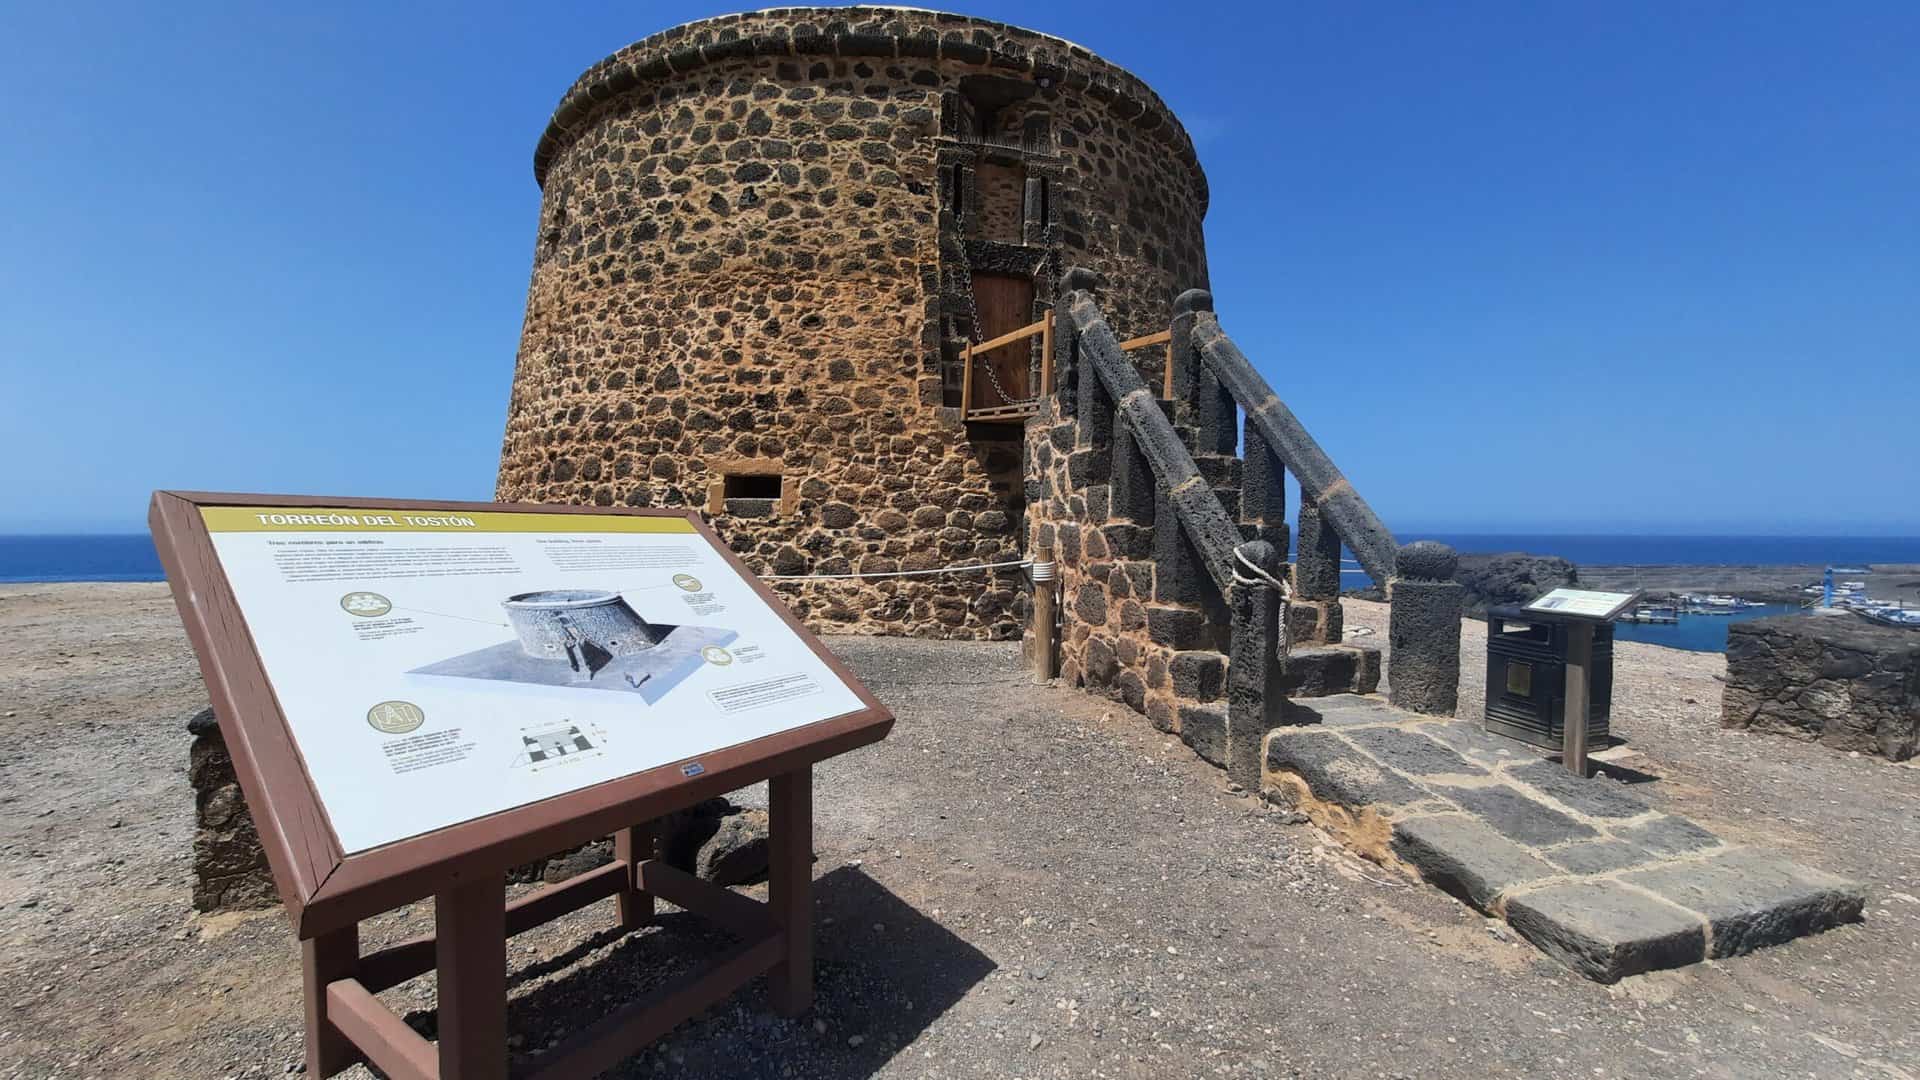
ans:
(1005, 304)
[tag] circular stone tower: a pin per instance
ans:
(764, 241)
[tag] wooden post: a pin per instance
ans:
(1046, 355)
(1046, 590)
(1573, 753)
(631, 847)
(470, 925)
(790, 888)
(966, 379)
(1166, 376)
(325, 959)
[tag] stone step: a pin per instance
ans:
(1583, 869)
(1320, 670)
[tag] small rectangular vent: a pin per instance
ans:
(753, 486)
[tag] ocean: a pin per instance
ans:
(132, 558)
(1628, 550)
(1696, 633)
(78, 558)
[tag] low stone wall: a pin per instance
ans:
(1836, 680)
(721, 842)
(230, 870)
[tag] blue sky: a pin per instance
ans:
(1520, 267)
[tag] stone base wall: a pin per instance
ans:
(230, 871)
(721, 842)
(1120, 637)
(1835, 680)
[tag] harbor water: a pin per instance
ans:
(1696, 633)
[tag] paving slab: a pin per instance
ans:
(1413, 753)
(1599, 856)
(1464, 857)
(1668, 835)
(1607, 931)
(1473, 742)
(1592, 797)
(1581, 867)
(1751, 899)
(1345, 710)
(1335, 771)
(1515, 816)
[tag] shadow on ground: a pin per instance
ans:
(883, 973)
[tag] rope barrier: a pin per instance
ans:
(899, 573)
(1256, 576)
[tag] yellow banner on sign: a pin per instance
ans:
(341, 519)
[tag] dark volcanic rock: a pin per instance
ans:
(1837, 680)
(1511, 578)
(230, 870)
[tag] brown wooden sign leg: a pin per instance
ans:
(322, 960)
(790, 888)
(470, 924)
(631, 847)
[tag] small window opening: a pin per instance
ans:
(753, 486)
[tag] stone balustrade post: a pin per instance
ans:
(1255, 700)
(1131, 484)
(1180, 573)
(1424, 629)
(1263, 491)
(1068, 372)
(1181, 353)
(1216, 419)
(1316, 615)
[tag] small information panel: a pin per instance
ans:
(439, 666)
(1582, 604)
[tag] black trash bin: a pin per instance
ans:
(1527, 678)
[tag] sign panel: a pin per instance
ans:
(438, 666)
(1583, 604)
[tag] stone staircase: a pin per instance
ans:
(1168, 520)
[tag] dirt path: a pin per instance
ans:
(1021, 882)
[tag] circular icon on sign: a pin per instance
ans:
(687, 582)
(396, 717)
(367, 605)
(717, 656)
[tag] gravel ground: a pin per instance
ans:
(1020, 882)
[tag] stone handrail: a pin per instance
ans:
(1211, 383)
(1320, 480)
(1204, 520)
(1118, 414)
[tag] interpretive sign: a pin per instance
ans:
(413, 681)
(1583, 604)
(421, 696)
(438, 667)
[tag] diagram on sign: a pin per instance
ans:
(588, 639)
(556, 743)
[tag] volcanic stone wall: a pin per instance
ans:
(1836, 680)
(741, 299)
(1140, 621)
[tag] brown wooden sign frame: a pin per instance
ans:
(328, 892)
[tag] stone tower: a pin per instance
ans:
(764, 240)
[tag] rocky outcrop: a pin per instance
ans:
(1511, 578)
(1834, 680)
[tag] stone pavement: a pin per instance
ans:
(1580, 868)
